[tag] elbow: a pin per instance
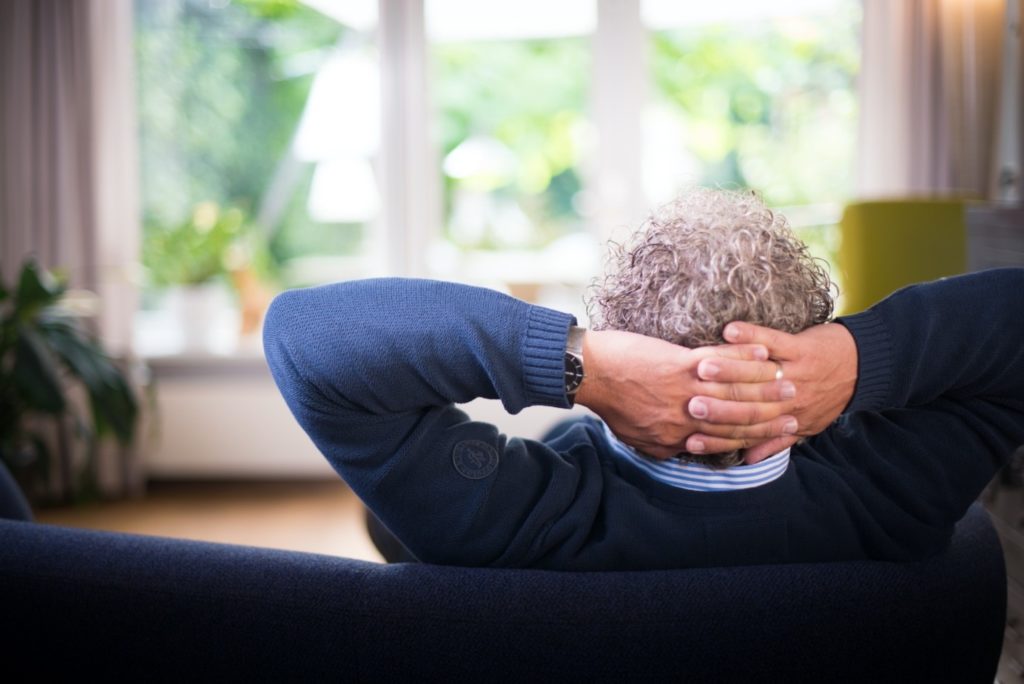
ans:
(275, 316)
(281, 328)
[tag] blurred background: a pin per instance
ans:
(482, 142)
(169, 165)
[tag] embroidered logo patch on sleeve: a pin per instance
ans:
(474, 459)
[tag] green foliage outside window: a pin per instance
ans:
(221, 89)
(768, 105)
(197, 250)
(531, 97)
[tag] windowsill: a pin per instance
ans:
(242, 363)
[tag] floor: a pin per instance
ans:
(314, 516)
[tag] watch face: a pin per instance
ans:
(573, 373)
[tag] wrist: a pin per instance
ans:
(574, 369)
(543, 353)
(594, 388)
(872, 361)
(849, 365)
(586, 392)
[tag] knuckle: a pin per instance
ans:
(664, 436)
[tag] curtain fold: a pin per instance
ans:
(929, 97)
(68, 175)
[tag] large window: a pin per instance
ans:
(511, 164)
(259, 122)
(288, 131)
(758, 95)
(510, 99)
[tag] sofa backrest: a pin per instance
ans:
(127, 607)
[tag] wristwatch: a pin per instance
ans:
(573, 362)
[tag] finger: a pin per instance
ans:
(756, 452)
(769, 448)
(761, 391)
(745, 352)
(648, 448)
(736, 370)
(758, 432)
(658, 452)
(662, 452)
(700, 443)
(780, 345)
(722, 412)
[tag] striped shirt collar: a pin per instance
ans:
(701, 478)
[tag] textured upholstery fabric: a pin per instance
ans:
(107, 604)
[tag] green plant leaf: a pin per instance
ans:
(35, 374)
(111, 400)
(43, 457)
(37, 288)
(10, 414)
(20, 453)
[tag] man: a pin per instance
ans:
(372, 369)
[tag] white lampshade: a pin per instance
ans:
(342, 114)
(344, 190)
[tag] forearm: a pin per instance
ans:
(939, 405)
(958, 337)
(371, 371)
(389, 346)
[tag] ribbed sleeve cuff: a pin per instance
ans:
(874, 361)
(544, 357)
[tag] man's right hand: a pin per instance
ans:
(642, 388)
(821, 361)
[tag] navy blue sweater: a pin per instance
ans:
(371, 370)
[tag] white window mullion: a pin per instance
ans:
(619, 93)
(410, 213)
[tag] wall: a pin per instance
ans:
(224, 418)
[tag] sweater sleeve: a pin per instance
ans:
(956, 337)
(372, 370)
(938, 409)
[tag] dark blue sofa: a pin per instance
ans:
(95, 605)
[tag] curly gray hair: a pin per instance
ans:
(703, 260)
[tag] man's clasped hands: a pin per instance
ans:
(760, 392)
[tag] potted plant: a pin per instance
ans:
(190, 261)
(45, 354)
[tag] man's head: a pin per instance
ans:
(703, 260)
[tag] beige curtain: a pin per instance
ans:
(929, 96)
(68, 169)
